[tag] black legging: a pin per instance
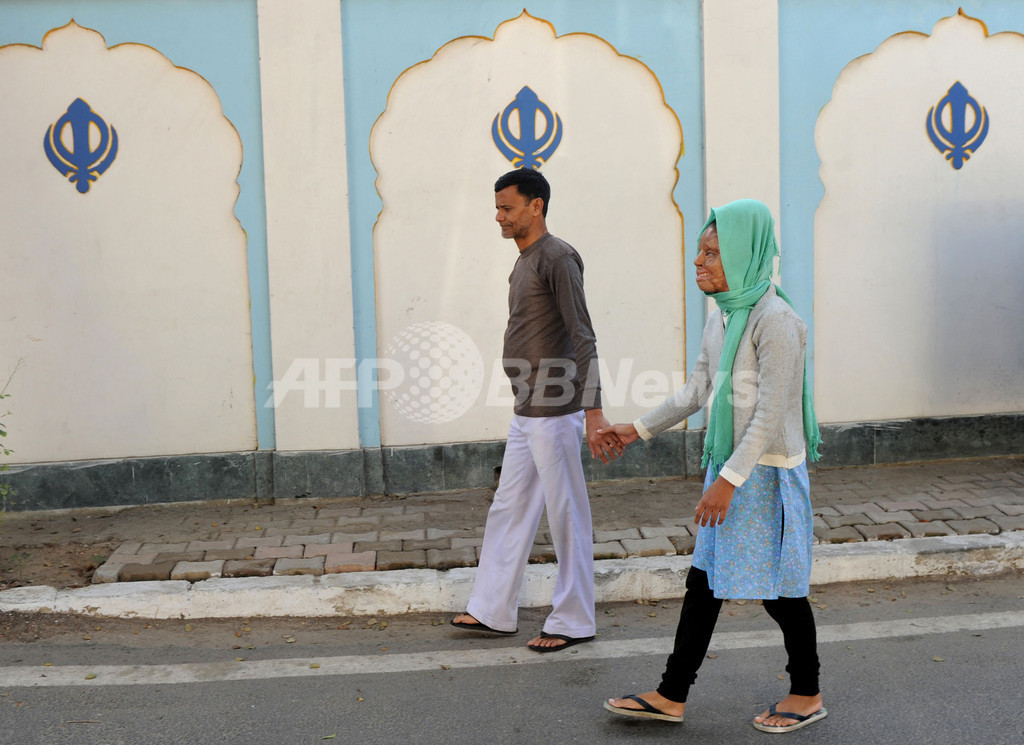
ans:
(697, 622)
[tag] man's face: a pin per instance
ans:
(710, 270)
(515, 214)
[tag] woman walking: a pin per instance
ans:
(755, 512)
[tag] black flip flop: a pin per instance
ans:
(569, 642)
(647, 712)
(483, 628)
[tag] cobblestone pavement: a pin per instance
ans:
(636, 517)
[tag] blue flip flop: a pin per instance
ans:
(648, 712)
(802, 720)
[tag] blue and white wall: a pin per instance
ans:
(287, 279)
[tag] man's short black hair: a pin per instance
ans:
(528, 182)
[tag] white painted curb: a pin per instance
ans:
(429, 590)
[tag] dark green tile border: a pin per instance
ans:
(265, 474)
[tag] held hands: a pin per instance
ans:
(714, 503)
(603, 441)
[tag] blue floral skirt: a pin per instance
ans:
(763, 548)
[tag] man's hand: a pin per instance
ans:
(714, 503)
(603, 444)
(626, 433)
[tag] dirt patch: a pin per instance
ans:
(61, 565)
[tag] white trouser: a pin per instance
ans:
(541, 468)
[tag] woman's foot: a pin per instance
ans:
(654, 699)
(466, 621)
(805, 706)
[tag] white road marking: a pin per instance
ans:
(208, 672)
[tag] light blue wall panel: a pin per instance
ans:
(817, 39)
(218, 39)
(383, 38)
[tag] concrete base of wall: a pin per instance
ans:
(265, 475)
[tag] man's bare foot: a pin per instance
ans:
(465, 619)
(802, 705)
(655, 699)
(552, 642)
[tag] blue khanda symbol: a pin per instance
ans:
(82, 164)
(958, 142)
(528, 149)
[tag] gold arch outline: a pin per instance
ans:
(664, 101)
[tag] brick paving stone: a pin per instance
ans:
(128, 548)
(337, 512)
(353, 537)
(857, 518)
(196, 571)
(316, 523)
(357, 523)
(976, 526)
(438, 544)
(826, 511)
(609, 550)
(107, 572)
(249, 568)
(289, 567)
(278, 552)
(146, 572)
(364, 561)
(403, 535)
(211, 545)
(435, 533)
(162, 548)
(473, 542)
(275, 532)
(684, 544)
(902, 504)
(131, 559)
(1008, 522)
(325, 549)
(958, 478)
(397, 510)
(999, 491)
(401, 559)
(543, 538)
(927, 529)
(845, 534)
(981, 501)
(969, 513)
(402, 523)
(660, 546)
(943, 514)
(883, 532)
(233, 554)
(886, 516)
(394, 545)
(179, 556)
(665, 531)
(607, 536)
(938, 503)
(1010, 509)
(259, 542)
(852, 509)
(449, 558)
(542, 554)
(305, 540)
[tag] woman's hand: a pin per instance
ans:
(714, 503)
(625, 433)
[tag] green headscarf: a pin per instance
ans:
(746, 239)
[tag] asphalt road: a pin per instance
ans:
(907, 662)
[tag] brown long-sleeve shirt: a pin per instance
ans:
(550, 352)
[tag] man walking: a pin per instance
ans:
(550, 356)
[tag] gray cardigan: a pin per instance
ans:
(768, 376)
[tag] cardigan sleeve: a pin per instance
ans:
(691, 397)
(780, 350)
